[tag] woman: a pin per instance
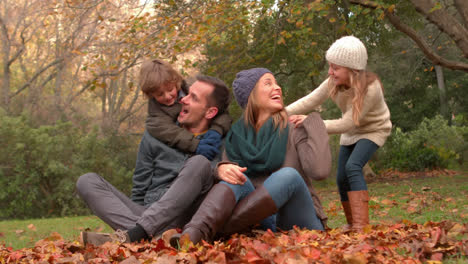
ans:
(267, 168)
(364, 125)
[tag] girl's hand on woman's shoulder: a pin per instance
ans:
(232, 173)
(297, 119)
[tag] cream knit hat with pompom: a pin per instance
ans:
(349, 52)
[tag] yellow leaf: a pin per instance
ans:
(332, 20)
(32, 227)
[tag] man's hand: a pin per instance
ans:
(209, 144)
(232, 173)
(297, 119)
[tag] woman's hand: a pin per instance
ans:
(232, 173)
(297, 119)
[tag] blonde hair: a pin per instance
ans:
(359, 82)
(155, 73)
(280, 118)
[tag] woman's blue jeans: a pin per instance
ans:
(291, 196)
(351, 160)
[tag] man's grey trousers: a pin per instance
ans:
(173, 210)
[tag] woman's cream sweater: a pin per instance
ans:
(374, 121)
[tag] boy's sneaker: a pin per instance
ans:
(98, 239)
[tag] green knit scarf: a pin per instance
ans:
(261, 152)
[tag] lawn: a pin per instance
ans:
(416, 204)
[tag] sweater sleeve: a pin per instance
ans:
(161, 125)
(313, 147)
(309, 102)
(346, 123)
(222, 123)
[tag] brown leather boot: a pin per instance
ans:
(359, 203)
(348, 215)
(250, 211)
(213, 212)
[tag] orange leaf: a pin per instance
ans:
(32, 227)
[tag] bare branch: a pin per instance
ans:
(445, 22)
(462, 7)
(410, 32)
(36, 75)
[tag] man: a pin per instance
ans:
(182, 181)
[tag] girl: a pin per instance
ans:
(364, 125)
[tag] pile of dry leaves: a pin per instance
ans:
(404, 242)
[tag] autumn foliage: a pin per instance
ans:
(404, 242)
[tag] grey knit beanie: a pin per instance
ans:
(349, 52)
(244, 83)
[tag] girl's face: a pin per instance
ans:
(166, 94)
(268, 95)
(339, 74)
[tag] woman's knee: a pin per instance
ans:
(240, 191)
(287, 175)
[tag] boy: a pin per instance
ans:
(164, 86)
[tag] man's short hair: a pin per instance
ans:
(220, 97)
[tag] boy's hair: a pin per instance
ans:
(155, 73)
(220, 97)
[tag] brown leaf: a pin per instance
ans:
(131, 260)
(388, 202)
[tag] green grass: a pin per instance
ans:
(416, 199)
(24, 233)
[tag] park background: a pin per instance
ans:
(70, 102)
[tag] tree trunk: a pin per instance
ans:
(444, 111)
(5, 92)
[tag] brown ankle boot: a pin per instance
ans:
(98, 239)
(359, 203)
(210, 217)
(348, 215)
(250, 211)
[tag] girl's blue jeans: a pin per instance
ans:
(351, 160)
(291, 196)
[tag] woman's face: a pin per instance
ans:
(268, 95)
(339, 74)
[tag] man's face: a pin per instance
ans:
(195, 108)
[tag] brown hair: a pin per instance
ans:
(280, 118)
(359, 81)
(155, 73)
(220, 97)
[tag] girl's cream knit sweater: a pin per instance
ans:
(374, 121)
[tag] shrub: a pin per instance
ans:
(434, 144)
(39, 166)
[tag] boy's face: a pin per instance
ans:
(166, 94)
